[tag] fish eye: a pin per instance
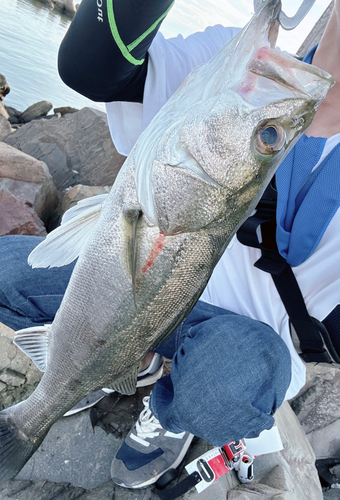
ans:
(269, 138)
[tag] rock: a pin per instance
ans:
(17, 218)
(65, 6)
(331, 494)
(64, 110)
(317, 408)
(336, 471)
(77, 148)
(44, 490)
(18, 375)
(74, 453)
(78, 193)
(35, 111)
(14, 115)
(71, 199)
(4, 87)
(3, 111)
(5, 127)
(286, 475)
(29, 182)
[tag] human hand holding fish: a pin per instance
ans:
(147, 251)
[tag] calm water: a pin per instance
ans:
(30, 35)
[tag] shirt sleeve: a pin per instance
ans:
(170, 61)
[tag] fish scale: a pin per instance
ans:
(147, 251)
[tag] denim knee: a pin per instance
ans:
(228, 378)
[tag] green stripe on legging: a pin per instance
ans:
(125, 50)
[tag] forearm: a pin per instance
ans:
(103, 55)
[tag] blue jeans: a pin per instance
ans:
(229, 373)
(28, 297)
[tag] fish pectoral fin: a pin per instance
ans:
(63, 245)
(131, 216)
(127, 384)
(34, 343)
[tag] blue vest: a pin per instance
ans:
(306, 201)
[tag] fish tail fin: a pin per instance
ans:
(14, 449)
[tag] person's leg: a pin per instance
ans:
(229, 375)
(28, 297)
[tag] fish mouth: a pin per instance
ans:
(271, 71)
(267, 69)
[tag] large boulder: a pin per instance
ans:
(36, 110)
(27, 193)
(76, 148)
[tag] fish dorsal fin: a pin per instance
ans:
(63, 245)
(34, 343)
(131, 215)
(127, 384)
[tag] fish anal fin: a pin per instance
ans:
(34, 343)
(127, 383)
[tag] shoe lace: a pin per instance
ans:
(147, 424)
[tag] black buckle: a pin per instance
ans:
(166, 492)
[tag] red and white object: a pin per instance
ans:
(237, 455)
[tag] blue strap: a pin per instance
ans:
(307, 200)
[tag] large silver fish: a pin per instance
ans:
(193, 177)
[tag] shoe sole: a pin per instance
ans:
(151, 379)
(154, 479)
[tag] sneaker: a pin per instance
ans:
(148, 376)
(148, 452)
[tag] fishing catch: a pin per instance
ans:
(147, 251)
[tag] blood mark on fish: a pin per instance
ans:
(156, 249)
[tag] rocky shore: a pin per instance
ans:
(66, 7)
(49, 160)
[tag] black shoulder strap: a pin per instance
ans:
(259, 231)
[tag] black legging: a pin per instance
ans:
(103, 55)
